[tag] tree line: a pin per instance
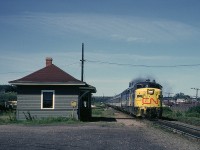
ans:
(7, 93)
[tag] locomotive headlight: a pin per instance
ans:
(150, 91)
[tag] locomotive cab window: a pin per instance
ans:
(139, 86)
(154, 86)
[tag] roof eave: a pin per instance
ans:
(44, 83)
(90, 88)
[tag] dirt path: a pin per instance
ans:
(128, 120)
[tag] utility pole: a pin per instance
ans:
(168, 94)
(82, 63)
(197, 89)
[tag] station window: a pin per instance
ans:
(47, 99)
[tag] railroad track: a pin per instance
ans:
(176, 127)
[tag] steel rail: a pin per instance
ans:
(175, 127)
(179, 128)
(185, 126)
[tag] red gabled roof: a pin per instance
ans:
(50, 74)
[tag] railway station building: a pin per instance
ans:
(51, 92)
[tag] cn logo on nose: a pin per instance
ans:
(149, 101)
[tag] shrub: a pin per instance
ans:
(193, 115)
(167, 110)
(193, 112)
(8, 117)
(195, 109)
(179, 114)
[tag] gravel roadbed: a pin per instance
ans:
(161, 137)
(124, 133)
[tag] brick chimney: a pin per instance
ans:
(49, 61)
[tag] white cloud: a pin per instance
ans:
(133, 58)
(129, 29)
(127, 38)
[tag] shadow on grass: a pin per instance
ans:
(106, 119)
(168, 119)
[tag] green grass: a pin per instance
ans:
(10, 118)
(51, 121)
(102, 111)
(192, 116)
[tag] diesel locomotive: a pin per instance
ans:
(142, 99)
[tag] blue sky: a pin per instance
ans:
(154, 33)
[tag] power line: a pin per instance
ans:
(147, 66)
(16, 72)
(119, 64)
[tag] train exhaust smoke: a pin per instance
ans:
(141, 79)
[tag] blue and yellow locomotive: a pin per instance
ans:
(142, 99)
